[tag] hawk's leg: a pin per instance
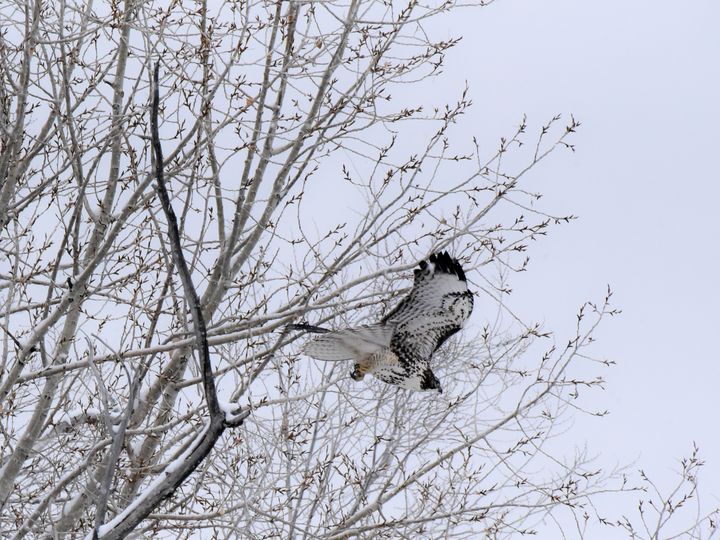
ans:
(358, 373)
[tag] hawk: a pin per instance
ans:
(397, 350)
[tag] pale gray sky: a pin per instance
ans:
(644, 78)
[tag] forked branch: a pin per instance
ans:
(177, 471)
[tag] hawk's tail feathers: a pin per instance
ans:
(346, 344)
(330, 347)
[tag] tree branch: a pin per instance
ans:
(177, 471)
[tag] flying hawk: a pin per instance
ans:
(397, 350)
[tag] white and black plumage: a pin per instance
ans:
(397, 350)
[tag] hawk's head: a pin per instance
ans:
(429, 381)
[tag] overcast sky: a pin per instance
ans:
(643, 78)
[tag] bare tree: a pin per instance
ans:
(132, 402)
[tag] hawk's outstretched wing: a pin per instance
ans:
(436, 308)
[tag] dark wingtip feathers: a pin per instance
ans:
(444, 263)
